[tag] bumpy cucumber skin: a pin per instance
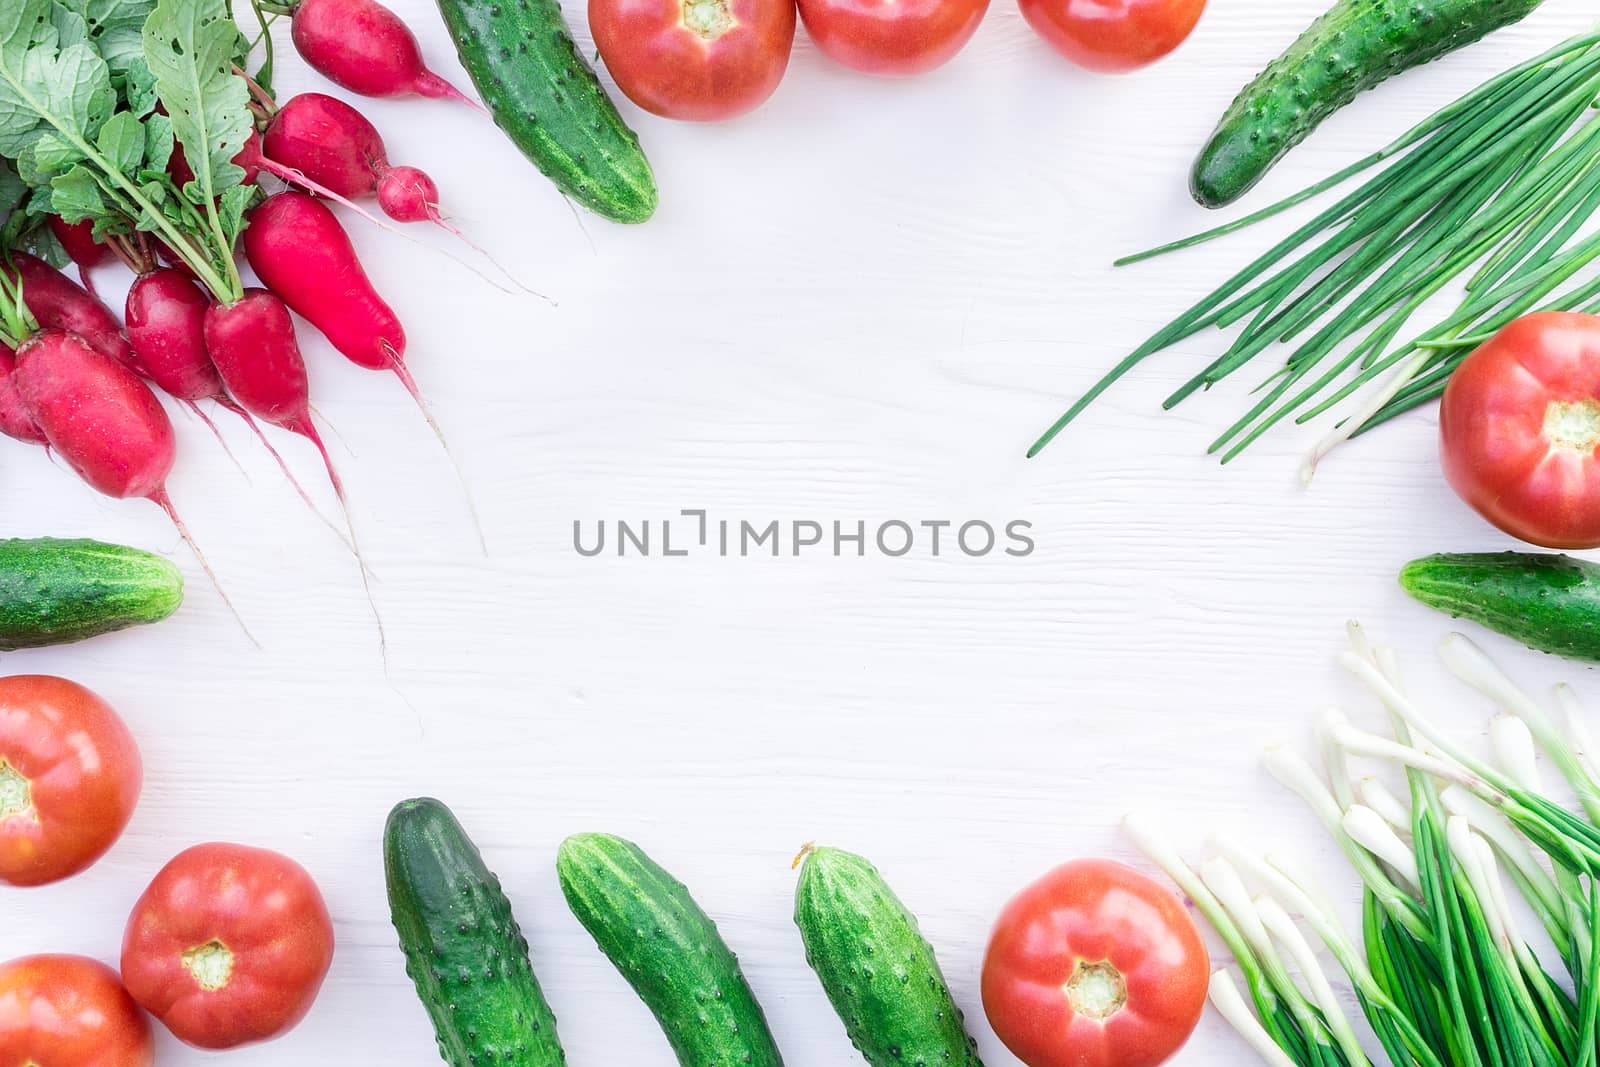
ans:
(1548, 602)
(54, 591)
(669, 950)
(463, 947)
(876, 967)
(545, 96)
(1356, 45)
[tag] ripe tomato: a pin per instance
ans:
(704, 60)
(68, 1011)
(229, 945)
(1095, 965)
(1519, 430)
(1113, 35)
(896, 38)
(69, 778)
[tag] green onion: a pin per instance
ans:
(1491, 191)
(1443, 974)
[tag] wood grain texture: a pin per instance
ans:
(861, 302)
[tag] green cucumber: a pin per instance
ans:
(876, 967)
(1355, 46)
(1548, 602)
(669, 950)
(545, 96)
(54, 591)
(463, 948)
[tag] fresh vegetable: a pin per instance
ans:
(166, 314)
(1113, 37)
(1497, 186)
(364, 47)
(99, 416)
(229, 945)
(1443, 970)
(77, 240)
(57, 303)
(702, 60)
(54, 591)
(1094, 965)
(252, 345)
(69, 778)
(326, 140)
(878, 971)
(1548, 602)
(1519, 427)
(546, 98)
(683, 971)
(894, 38)
(463, 947)
(68, 1011)
(15, 422)
(1353, 47)
(299, 249)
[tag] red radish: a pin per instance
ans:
(105, 422)
(330, 148)
(77, 240)
(364, 47)
(253, 347)
(407, 194)
(300, 251)
(248, 157)
(166, 315)
(59, 303)
(15, 421)
(322, 144)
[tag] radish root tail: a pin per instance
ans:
(307, 429)
(403, 372)
(229, 405)
(436, 216)
(194, 408)
(164, 502)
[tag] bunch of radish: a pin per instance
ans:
(81, 383)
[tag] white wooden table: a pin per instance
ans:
(860, 303)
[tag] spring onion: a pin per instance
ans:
(1493, 190)
(1444, 974)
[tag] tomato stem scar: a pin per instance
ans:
(211, 964)
(1096, 990)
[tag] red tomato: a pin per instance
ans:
(229, 945)
(896, 38)
(68, 1011)
(69, 778)
(1520, 425)
(1113, 35)
(704, 60)
(1095, 965)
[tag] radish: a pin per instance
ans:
(58, 303)
(166, 316)
(105, 422)
(15, 422)
(333, 145)
(324, 145)
(364, 47)
(77, 240)
(253, 347)
(300, 251)
(248, 157)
